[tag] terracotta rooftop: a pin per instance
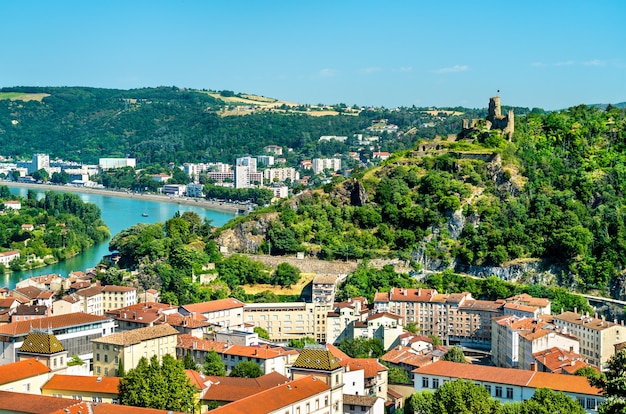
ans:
(29, 403)
(233, 389)
(82, 383)
(526, 299)
(90, 291)
(21, 370)
(41, 343)
(21, 328)
(510, 376)
(146, 313)
(34, 310)
(407, 356)
(406, 295)
(113, 288)
(384, 315)
(584, 320)
(363, 400)
(275, 398)
(370, 366)
(325, 279)
(30, 292)
(186, 341)
(560, 361)
(214, 305)
(485, 305)
(136, 336)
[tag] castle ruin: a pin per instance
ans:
(494, 119)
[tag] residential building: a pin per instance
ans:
(319, 362)
(276, 149)
(51, 282)
(266, 160)
(409, 359)
(67, 304)
(45, 348)
(195, 190)
(284, 321)
(23, 376)
(596, 336)
(224, 390)
(7, 257)
(323, 289)
(142, 315)
(321, 164)
(222, 313)
(279, 191)
(559, 361)
(40, 162)
(280, 174)
(91, 299)
(300, 396)
(508, 384)
(12, 205)
(28, 312)
(516, 339)
(111, 163)
(383, 326)
(361, 376)
(83, 388)
(128, 347)
(74, 331)
(115, 297)
(242, 176)
(270, 359)
(359, 404)
(339, 322)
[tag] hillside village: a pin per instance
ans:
(65, 340)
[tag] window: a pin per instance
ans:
(325, 401)
(106, 358)
(488, 388)
(509, 393)
(352, 407)
(26, 387)
(498, 391)
(424, 382)
(435, 382)
(362, 408)
(591, 403)
(97, 357)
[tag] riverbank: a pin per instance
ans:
(199, 202)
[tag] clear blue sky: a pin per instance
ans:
(550, 54)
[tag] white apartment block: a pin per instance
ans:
(222, 313)
(242, 176)
(280, 174)
(321, 164)
(596, 336)
(280, 191)
(110, 163)
(40, 161)
(247, 162)
(7, 257)
(266, 160)
(284, 321)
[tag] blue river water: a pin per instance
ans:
(118, 213)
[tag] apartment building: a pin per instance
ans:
(74, 331)
(280, 174)
(383, 326)
(128, 347)
(324, 288)
(223, 313)
(91, 298)
(596, 336)
(114, 297)
(340, 320)
(284, 321)
(270, 359)
(321, 164)
(515, 339)
(508, 384)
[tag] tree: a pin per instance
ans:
(213, 365)
(612, 382)
(263, 334)
(299, 343)
(189, 362)
(362, 347)
(411, 327)
(463, 397)
(454, 354)
(163, 386)
(547, 401)
(285, 275)
(399, 376)
(246, 369)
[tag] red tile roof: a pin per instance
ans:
(186, 341)
(370, 366)
(21, 370)
(233, 389)
(30, 403)
(407, 356)
(80, 383)
(275, 398)
(214, 305)
(510, 376)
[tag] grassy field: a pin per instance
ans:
(19, 96)
(305, 279)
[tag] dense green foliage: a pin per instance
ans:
(62, 226)
(454, 354)
(299, 343)
(465, 397)
(612, 382)
(163, 386)
(362, 347)
(246, 369)
(213, 364)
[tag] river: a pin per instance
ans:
(118, 213)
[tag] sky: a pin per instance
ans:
(550, 54)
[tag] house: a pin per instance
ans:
(508, 384)
(141, 315)
(91, 299)
(558, 361)
(276, 149)
(303, 395)
(29, 312)
(68, 304)
(74, 331)
(362, 376)
(384, 326)
(128, 347)
(23, 376)
(339, 321)
(51, 282)
(83, 388)
(409, 359)
(270, 359)
(7, 257)
(12, 204)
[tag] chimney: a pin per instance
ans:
(571, 349)
(533, 366)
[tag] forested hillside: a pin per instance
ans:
(555, 193)
(169, 124)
